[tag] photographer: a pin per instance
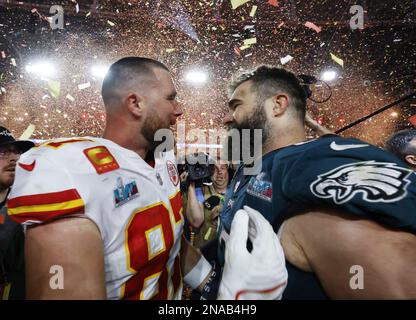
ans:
(202, 201)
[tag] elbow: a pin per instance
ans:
(196, 222)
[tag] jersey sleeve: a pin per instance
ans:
(358, 178)
(43, 190)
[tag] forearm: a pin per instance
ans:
(194, 210)
(194, 266)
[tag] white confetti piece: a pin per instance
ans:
(253, 11)
(83, 86)
(286, 59)
(28, 132)
(250, 41)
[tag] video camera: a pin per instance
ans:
(200, 168)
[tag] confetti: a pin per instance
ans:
(250, 41)
(313, 26)
(111, 23)
(253, 11)
(13, 62)
(236, 3)
(28, 132)
(274, 3)
(412, 120)
(83, 86)
(337, 60)
(221, 32)
(54, 88)
(70, 98)
(286, 59)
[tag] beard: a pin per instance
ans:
(248, 143)
(152, 124)
(6, 179)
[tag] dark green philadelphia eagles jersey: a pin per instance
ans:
(349, 174)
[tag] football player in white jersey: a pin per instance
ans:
(103, 215)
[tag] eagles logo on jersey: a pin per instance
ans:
(376, 181)
(357, 178)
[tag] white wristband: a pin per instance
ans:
(198, 273)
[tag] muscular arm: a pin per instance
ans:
(330, 243)
(76, 245)
(194, 209)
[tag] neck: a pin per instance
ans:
(284, 137)
(3, 194)
(121, 133)
(220, 189)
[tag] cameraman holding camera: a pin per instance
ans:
(202, 201)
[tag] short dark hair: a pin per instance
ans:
(399, 143)
(123, 71)
(268, 80)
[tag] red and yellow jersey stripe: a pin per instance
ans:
(46, 206)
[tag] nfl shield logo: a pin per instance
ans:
(173, 173)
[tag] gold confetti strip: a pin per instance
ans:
(236, 3)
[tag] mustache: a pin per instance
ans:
(11, 167)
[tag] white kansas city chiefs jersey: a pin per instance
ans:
(137, 208)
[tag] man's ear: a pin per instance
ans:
(411, 159)
(280, 103)
(134, 104)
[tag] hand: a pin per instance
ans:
(183, 176)
(215, 212)
(260, 274)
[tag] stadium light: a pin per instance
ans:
(44, 69)
(196, 77)
(329, 75)
(99, 71)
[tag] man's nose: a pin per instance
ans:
(178, 109)
(228, 119)
(14, 157)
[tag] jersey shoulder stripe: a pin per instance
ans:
(45, 206)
